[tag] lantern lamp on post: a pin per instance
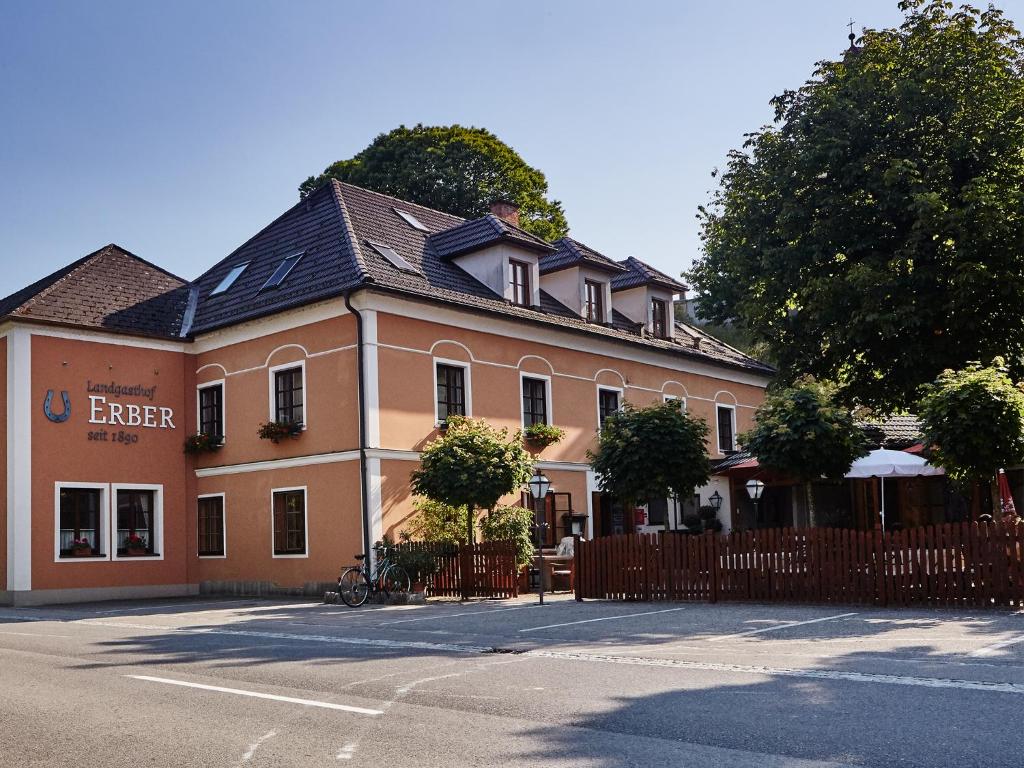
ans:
(716, 500)
(539, 487)
(754, 489)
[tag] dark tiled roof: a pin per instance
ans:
(333, 226)
(893, 432)
(110, 289)
(481, 233)
(640, 273)
(734, 459)
(571, 253)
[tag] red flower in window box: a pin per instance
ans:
(81, 548)
(134, 545)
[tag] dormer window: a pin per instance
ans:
(593, 306)
(659, 318)
(519, 280)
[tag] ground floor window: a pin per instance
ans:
(289, 522)
(136, 526)
(81, 511)
(211, 526)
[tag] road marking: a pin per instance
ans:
(453, 615)
(346, 752)
(33, 634)
(358, 641)
(787, 625)
(256, 745)
(256, 695)
(997, 646)
(175, 605)
(813, 674)
(602, 618)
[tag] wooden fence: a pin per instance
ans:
(961, 564)
(487, 569)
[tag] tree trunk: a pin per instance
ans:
(470, 533)
(812, 517)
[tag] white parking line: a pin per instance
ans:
(33, 634)
(813, 674)
(255, 695)
(602, 618)
(161, 606)
(997, 646)
(453, 615)
(776, 627)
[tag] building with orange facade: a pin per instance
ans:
(353, 324)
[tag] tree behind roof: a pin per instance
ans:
(453, 169)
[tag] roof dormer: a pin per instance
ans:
(646, 297)
(580, 278)
(498, 253)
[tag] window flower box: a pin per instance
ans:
(135, 546)
(81, 548)
(203, 443)
(276, 431)
(540, 436)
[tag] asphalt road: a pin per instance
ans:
(260, 683)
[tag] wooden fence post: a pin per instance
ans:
(577, 570)
(466, 571)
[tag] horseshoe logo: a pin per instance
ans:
(57, 417)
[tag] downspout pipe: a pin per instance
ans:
(361, 390)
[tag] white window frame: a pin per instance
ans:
(223, 404)
(606, 297)
(272, 390)
(547, 396)
(104, 522)
(224, 524)
(467, 368)
(600, 388)
(305, 521)
(158, 519)
(718, 436)
(673, 398)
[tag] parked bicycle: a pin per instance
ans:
(358, 582)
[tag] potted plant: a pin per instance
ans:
(81, 548)
(203, 443)
(692, 521)
(134, 545)
(276, 431)
(543, 435)
(419, 564)
(709, 516)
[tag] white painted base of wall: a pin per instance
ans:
(94, 594)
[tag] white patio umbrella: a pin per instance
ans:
(884, 463)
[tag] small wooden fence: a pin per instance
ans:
(487, 569)
(962, 564)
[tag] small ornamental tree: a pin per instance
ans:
(651, 453)
(510, 524)
(437, 521)
(974, 420)
(801, 431)
(472, 466)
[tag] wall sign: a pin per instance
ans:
(48, 410)
(107, 409)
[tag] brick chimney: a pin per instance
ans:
(507, 211)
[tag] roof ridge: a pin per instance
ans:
(350, 232)
(401, 200)
(81, 264)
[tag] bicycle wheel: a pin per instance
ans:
(352, 587)
(395, 579)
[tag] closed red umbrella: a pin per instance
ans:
(1009, 509)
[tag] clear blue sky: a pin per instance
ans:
(178, 130)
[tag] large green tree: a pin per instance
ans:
(803, 432)
(453, 169)
(651, 453)
(874, 234)
(472, 466)
(974, 421)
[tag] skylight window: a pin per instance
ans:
(229, 279)
(411, 220)
(396, 260)
(281, 272)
